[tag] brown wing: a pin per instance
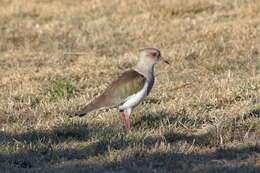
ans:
(129, 83)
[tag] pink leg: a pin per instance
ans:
(122, 117)
(128, 124)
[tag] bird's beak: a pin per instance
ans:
(162, 59)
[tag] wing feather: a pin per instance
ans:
(129, 83)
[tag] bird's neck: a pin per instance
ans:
(146, 69)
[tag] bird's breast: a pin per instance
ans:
(136, 98)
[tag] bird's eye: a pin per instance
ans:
(154, 54)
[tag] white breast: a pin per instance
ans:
(135, 99)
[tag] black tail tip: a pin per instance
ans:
(74, 113)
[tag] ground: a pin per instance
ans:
(203, 114)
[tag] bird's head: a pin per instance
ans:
(151, 56)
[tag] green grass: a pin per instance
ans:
(58, 88)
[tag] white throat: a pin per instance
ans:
(145, 68)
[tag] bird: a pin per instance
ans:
(129, 89)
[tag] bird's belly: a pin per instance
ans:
(135, 99)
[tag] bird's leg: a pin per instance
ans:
(122, 116)
(128, 119)
(128, 123)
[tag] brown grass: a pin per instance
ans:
(201, 116)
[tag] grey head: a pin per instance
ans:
(148, 57)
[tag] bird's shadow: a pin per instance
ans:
(107, 138)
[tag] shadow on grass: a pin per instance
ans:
(107, 138)
(222, 160)
(61, 133)
(154, 120)
(254, 113)
(38, 144)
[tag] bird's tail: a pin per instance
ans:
(85, 110)
(94, 105)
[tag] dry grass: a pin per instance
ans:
(202, 114)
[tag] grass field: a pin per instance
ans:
(203, 114)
